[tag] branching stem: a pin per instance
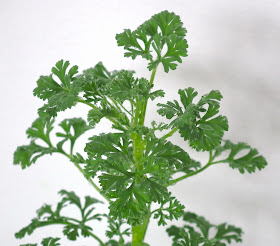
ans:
(88, 179)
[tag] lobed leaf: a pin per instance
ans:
(203, 131)
(196, 230)
(250, 162)
(59, 96)
(162, 30)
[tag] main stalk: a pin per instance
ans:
(139, 231)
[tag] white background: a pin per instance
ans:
(233, 47)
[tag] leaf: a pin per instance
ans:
(71, 232)
(76, 125)
(107, 144)
(162, 30)
(40, 130)
(248, 162)
(59, 96)
(46, 242)
(70, 197)
(130, 204)
(50, 241)
(203, 131)
(174, 210)
(94, 82)
(162, 150)
(228, 233)
(176, 49)
(224, 232)
(157, 192)
(72, 227)
(94, 116)
(199, 221)
(26, 155)
(115, 230)
(29, 244)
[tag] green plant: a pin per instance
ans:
(134, 166)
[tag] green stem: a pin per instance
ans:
(97, 238)
(143, 112)
(190, 174)
(210, 163)
(169, 134)
(139, 231)
(89, 180)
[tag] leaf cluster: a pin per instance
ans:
(196, 232)
(133, 186)
(158, 40)
(27, 155)
(249, 161)
(198, 123)
(72, 227)
(46, 242)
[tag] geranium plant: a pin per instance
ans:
(136, 164)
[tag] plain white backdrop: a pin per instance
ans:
(233, 47)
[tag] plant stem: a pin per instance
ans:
(190, 174)
(169, 134)
(88, 179)
(143, 113)
(97, 238)
(139, 231)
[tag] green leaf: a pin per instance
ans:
(50, 241)
(72, 227)
(76, 125)
(94, 82)
(46, 242)
(162, 30)
(29, 244)
(71, 232)
(250, 161)
(40, 130)
(115, 229)
(131, 204)
(107, 144)
(199, 221)
(223, 232)
(162, 159)
(204, 131)
(59, 96)
(157, 192)
(173, 210)
(228, 233)
(94, 116)
(124, 87)
(28, 154)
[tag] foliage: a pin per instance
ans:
(196, 230)
(73, 227)
(133, 166)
